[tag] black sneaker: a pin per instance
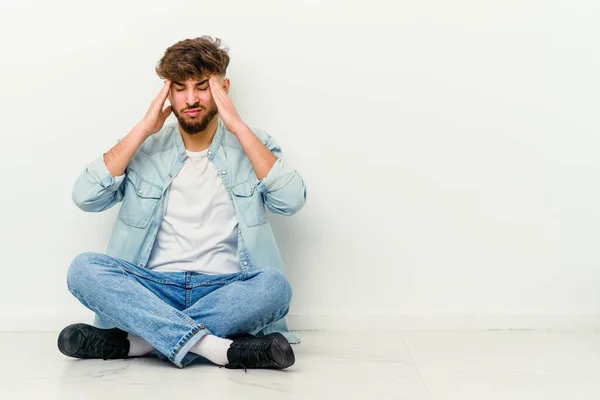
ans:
(241, 336)
(271, 351)
(86, 341)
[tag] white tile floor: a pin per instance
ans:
(440, 365)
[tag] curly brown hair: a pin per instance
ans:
(193, 59)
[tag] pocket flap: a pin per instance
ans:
(243, 190)
(143, 188)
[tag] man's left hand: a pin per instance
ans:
(227, 110)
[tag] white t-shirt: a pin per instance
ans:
(200, 229)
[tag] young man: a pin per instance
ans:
(192, 268)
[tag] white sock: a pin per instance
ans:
(213, 348)
(138, 347)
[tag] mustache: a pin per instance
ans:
(195, 106)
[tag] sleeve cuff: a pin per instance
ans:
(119, 179)
(277, 177)
(98, 170)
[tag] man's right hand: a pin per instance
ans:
(155, 117)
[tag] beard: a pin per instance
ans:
(196, 125)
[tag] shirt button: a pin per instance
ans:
(245, 262)
(140, 191)
(182, 154)
(170, 176)
(209, 152)
(223, 172)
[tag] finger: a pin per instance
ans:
(214, 84)
(218, 93)
(164, 93)
(165, 114)
(217, 96)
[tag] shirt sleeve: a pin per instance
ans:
(283, 189)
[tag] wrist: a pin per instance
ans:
(140, 132)
(241, 130)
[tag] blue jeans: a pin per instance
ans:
(173, 310)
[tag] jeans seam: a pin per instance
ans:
(208, 284)
(188, 290)
(127, 271)
(163, 282)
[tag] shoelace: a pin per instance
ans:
(234, 365)
(100, 345)
(250, 353)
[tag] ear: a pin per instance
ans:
(226, 84)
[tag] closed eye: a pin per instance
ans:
(202, 89)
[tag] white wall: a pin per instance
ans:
(449, 148)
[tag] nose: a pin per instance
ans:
(191, 97)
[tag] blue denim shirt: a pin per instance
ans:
(145, 190)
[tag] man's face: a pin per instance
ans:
(193, 104)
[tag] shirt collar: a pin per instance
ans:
(214, 146)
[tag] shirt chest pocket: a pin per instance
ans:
(249, 202)
(140, 201)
